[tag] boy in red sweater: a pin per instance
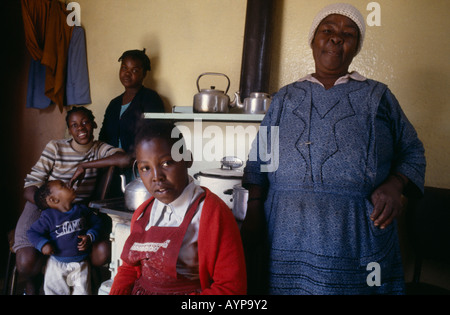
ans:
(183, 240)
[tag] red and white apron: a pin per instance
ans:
(156, 250)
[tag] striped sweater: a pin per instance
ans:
(60, 161)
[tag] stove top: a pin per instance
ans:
(113, 204)
(114, 207)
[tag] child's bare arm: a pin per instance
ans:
(84, 243)
(48, 249)
(28, 193)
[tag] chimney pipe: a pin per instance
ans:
(255, 69)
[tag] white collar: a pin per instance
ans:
(177, 208)
(354, 75)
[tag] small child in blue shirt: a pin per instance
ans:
(64, 231)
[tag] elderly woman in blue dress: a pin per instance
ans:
(340, 153)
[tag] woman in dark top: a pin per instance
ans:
(124, 111)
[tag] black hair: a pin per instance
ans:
(139, 55)
(83, 109)
(148, 129)
(40, 196)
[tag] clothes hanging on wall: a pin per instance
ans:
(36, 86)
(47, 37)
(77, 80)
(77, 88)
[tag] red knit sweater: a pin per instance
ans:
(220, 252)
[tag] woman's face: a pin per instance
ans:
(131, 73)
(81, 128)
(335, 44)
(164, 178)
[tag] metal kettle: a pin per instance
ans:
(211, 100)
(257, 103)
(135, 192)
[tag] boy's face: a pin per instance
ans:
(81, 128)
(131, 73)
(61, 196)
(163, 177)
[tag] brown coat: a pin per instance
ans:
(47, 37)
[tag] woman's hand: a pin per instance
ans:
(78, 176)
(387, 200)
(254, 226)
(119, 159)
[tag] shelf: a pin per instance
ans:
(207, 117)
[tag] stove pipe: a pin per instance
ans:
(255, 69)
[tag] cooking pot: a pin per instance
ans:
(211, 100)
(257, 103)
(135, 192)
(240, 198)
(221, 180)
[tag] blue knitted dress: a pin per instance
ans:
(334, 148)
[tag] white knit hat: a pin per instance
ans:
(343, 9)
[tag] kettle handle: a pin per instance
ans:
(213, 73)
(134, 169)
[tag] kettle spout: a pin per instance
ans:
(123, 182)
(237, 101)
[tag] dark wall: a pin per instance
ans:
(14, 75)
(24, 131)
